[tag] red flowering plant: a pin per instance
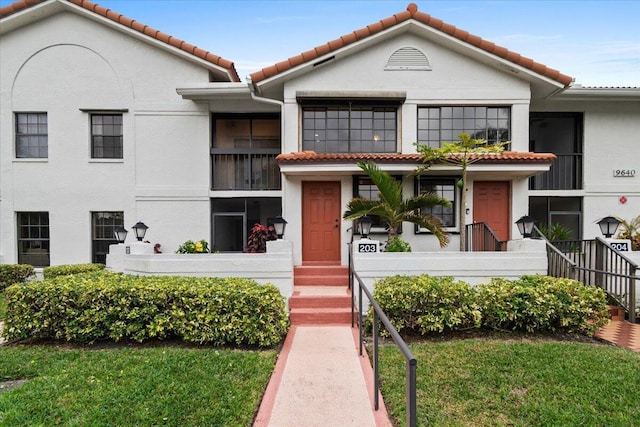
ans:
(258, 238)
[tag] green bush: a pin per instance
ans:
(106, 306)
(68, 269)
(425, 304)
(396, 244)
(14, 273)
(542, 303)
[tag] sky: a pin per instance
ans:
(596, 42)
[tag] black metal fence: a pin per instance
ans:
(411, 363)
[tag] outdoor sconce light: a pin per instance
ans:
(140, 229)
(525, 226)
(120, 234)
(365, 225)
(608, 226)
(279, 224)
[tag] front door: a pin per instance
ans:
(491, 201)
(321, 221)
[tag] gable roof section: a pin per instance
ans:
(22, 5)
(411, 13)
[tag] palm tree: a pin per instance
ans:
(393, 209)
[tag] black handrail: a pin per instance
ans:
(410, 361)
(481, 238)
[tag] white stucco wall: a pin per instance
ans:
(66, 63)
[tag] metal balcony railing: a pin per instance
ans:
(246, 170)
(564, 174)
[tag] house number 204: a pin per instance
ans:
(624, 173)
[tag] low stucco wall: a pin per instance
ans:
(275, 266)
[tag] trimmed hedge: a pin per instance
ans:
(423, 304)
(543, 303)
(68, 269)
(14, 273)
(106, 306)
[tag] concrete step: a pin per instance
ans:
(616, 313)
(321, 280)
(320, 270)
(320, 316)
(319, 301)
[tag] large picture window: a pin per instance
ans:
(444, 124)
(106, 136)
(32, 139)
(103, 225)
(349, 128)
(33, 238)
(445, 188)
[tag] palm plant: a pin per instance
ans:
(630, 230)
(393, 210)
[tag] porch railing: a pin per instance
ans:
(481, 238)
(411, 363)
(564, 174)
(245, 170)
(596, 263)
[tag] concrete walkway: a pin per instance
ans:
(320, 380)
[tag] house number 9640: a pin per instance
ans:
(624, 173)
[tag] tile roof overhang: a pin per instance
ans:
(26, 11)
(509, 61)
(507, 163)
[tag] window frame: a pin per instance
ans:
(44, 238)
(119, 145)
(464, 122)
(19, 135)
(349, 107)
(455, 228)
(95, 254)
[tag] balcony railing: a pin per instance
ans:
(245, 170)
(564, 174)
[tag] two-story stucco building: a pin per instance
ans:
(106, 121)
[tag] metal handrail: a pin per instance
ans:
(410, 361)
(491, 242)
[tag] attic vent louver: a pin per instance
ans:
(408, 58)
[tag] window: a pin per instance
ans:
(32, 139)
(106, 136)
(349, 128)
(33, 238)
(244, 152)
(364, 188)
(103, 225)
(233, 218)
(438, 124)
(445, 188)
(566, 211)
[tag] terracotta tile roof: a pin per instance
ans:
(411, 13)
(504, 157)
(134, 25)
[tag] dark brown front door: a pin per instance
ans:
(321, 221)
(491, 201)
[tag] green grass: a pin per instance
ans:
(502, 383)
(169, 386)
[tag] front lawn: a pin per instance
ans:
(172, 386)
(477, 382)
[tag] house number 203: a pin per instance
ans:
(624, 173)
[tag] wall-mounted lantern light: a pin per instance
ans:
(140, 229)
(279, 224)
(609, 226)
(364, 224)
(525, 226)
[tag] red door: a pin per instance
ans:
(321, 221)
(491, 202)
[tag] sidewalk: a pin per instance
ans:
(320, 380)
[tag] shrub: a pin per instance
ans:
(257, 241)
(396, 244)
(425, 304)
(14, 273)
(542, 303)
(68, 269)
(107, 306)
(191, 247)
